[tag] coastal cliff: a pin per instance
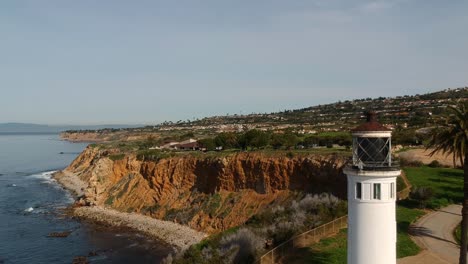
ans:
(206, 193)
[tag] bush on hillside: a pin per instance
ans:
(422, 195)
(410, 163)
(242, 246)
(435, 164)
(274, 225)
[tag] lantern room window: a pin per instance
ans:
(371, 151)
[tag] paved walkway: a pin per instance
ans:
(433, 232)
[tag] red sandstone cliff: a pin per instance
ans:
(205, 193)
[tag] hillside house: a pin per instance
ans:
(189, 144)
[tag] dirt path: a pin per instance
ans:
(423, 156)
(433, 233)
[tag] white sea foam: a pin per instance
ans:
(49, 173)
(96, 258)
(45, 176)
(133, 245)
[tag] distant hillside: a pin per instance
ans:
(36, 128)
(402, 112)
(408, 110)
(24, 128)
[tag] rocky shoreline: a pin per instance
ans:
(179, 236)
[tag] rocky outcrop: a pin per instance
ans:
(206, 193)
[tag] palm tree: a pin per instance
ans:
(452, 138)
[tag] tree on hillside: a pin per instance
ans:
(227, 140)
(452, 138)
(290, 140)
(207, 143)
(254, 138)
(277, 141)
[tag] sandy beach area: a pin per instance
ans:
(174, 234)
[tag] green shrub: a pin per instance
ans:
(244, 244)
(435, 164)
(191, 255)
(109, 200)
(153, 155)
(422, 195)
(212, 204)
(410, 163)
(150, 209)
(282, 233)
(457, 234)
(438, 203)
(115, 157)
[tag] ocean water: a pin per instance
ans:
(32, 203)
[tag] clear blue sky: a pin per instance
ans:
(91, 62)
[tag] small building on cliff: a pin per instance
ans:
(189, 144)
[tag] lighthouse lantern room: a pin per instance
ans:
(371, 195)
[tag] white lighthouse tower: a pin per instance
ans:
(371, 195)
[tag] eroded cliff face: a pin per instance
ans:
(208, 194)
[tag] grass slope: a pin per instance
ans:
(447, 184)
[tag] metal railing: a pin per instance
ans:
(374, 165)
(277, 254)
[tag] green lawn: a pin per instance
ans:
(447, 185)
(457, 233)
(405, 216)
(328, 251)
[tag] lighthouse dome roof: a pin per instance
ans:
(371, 125)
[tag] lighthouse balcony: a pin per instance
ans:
(375, 166)
(387, 164)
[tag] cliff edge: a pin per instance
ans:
(206, 193)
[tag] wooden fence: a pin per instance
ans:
(277, 254)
